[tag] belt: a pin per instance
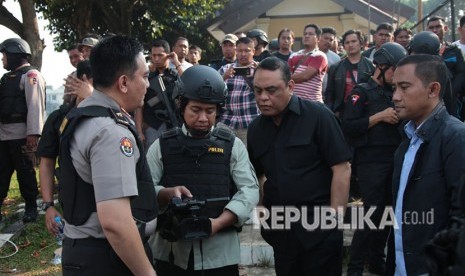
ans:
(93, 242)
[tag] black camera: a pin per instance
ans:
(189, 219)
(241, 71)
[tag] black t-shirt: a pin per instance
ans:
(297, 156)
(50, 139)
(281, 56)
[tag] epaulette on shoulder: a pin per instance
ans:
(119, 117)
(171, 133)
(223, 133)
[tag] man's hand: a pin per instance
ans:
(165, 194)
(229, 73)
(31, 142)
(81, 88)
(226, 219)
(388, 115)
(50, 222)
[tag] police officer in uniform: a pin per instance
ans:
(210, 162)
(106, 191)
(22, 106)
(370, 124)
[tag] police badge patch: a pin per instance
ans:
(126, 146)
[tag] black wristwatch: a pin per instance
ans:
(46, 205)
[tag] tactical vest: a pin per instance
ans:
(201, 165)
(77, 196)
(382, 134)
(155, 111)
(13, 106)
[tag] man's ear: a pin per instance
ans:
(434, 90)
(123, 84)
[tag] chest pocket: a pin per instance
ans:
(301, 150)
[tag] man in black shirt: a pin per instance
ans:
(48, 150)
(298, 146)
(154, 118)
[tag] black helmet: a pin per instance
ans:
(15, 46)
(201, 83)
(389, 53)
(425, 43)
(258, 34)
(274, 45)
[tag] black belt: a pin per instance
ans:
(13, 119)
(87, 242)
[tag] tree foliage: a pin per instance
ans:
(27, 29)
(70, 20)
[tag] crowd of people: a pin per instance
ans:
(162, 160)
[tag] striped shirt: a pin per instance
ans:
(240, 107)
(311, 89)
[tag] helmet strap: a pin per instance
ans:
(195, 133)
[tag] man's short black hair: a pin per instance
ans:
(272, 64)
(399, 30)
(436, 18)
(113, 57)
(314, 26)
(195, 47)
(385, 26)
(162, 43)
(244, 40)
(355, 32)
(180, 38)
(428, 68)
(462, 21)
(328, 30)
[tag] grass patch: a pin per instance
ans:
(35, 251)
(35, 244)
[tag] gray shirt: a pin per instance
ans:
(104, 154)
(34, 89)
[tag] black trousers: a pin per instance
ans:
(325, 259)
(167, 269)
(375, 182)
(14, 158)
(93, 257)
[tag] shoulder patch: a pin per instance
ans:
(32, 74)
(126, 146)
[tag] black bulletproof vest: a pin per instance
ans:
(77, 196)
(155, 111)
(202, 165)
(13, 107)
(382, 134)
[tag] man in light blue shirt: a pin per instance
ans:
(428, 163)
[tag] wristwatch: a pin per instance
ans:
(46, 205)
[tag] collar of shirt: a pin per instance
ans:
(100, 98)
(185, 132)
(424, 129)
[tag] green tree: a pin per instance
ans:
(28, 29)
(70, 20)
